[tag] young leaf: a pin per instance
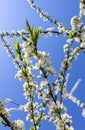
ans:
(18, 56)
(31, 32)
(37, 34)
(72, 35)
(32, 128)
(28, 26)
(81, 1)
(32, 35)
(17, 49)
(16, 44)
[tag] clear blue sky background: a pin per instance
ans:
(13, 14)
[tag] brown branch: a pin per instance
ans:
(7, 122)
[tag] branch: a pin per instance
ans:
(7, 122)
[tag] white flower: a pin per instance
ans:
(21, 108)
(26, 49)
(61, 28)
(45, 19)
(75, 52)
(66, 79)
(33, 6)
(75, 86)
(78, 102)
(49, 30)
(30, 1)
(83, 36)
(39, 10)
(65, 116)
(39, 64)
(43, 83)
(66, 47)
(47, 15)
(3, 110)
(18, 125)
(82, 105)
(82, 45)
(69, 40)
(82, 9)
(71, 128)
(51, 70)
(82, 12)
(83, 113)
(19, 74)
(75, 23)
(75, 20)
(77, 39)
(41, 15)
(72, 98)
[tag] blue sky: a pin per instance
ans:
(13, 14)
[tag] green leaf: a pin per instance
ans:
(28, 26)
(16, 44)
(72, 35)
(17, 49)
(32, 128)
(38, 119)
(33, 34)
(81, 1)
(18, 56)
(37, 34)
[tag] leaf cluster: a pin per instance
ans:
(33, 34)
(17, 49)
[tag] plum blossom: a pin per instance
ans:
(75, 23)
(82, 9)
(18, 125)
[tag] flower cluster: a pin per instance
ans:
(50, 30)
(75, 23)
(62, 29)
(17, 125)
(44, 15)
(44, 99)
(3, 110)
(82, 9)
(4, 115)
(78, 29)
(65, 123)
(44, 64)
(62, 123)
